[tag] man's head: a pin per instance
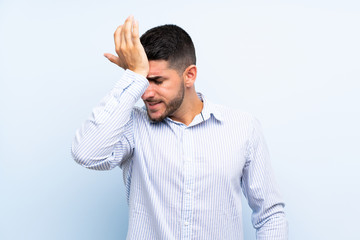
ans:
(170, 43)
(172, 72)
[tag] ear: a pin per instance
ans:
(189, 76)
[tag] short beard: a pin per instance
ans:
(172, 106)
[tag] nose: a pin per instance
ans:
(149, 92)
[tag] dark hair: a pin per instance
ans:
(171, 43)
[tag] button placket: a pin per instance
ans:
(188, 201)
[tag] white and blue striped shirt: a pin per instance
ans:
(183, 182)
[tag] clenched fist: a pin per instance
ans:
(131, 54)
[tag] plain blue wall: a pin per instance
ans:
(294, 65)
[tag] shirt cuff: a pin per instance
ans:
(134, 83)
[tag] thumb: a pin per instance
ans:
(111, 58)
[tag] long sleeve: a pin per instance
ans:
(261, 190)
(106, 138)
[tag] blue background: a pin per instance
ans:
(293, 64)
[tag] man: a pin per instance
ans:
(185, 161)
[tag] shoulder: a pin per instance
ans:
(238, 120)
(234, 115)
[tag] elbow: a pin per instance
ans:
(84, 159)
(79, 156)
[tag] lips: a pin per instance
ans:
(153, 105)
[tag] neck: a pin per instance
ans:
(190, 107)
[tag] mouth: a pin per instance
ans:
(153, 105)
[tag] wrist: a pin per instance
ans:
(142, 72)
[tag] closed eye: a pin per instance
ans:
(157, 80)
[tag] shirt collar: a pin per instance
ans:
(209, 109)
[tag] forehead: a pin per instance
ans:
(159, 68)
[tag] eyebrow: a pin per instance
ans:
(155, 78)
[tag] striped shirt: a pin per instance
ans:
(183, 182)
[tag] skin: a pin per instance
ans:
(169, 94)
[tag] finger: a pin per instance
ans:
(127, 30)
(135, 31)
(112, 58)
(117, 38)
(135, 35)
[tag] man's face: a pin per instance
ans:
(166, 91)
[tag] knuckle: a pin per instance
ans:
(122, 48)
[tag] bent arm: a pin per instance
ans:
(106, 138)
(261, 190)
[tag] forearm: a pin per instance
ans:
(94, 143)
(268, 216)
(261, 190)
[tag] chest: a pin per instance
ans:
(205, 153)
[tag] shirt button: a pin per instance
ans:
(186, 223)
